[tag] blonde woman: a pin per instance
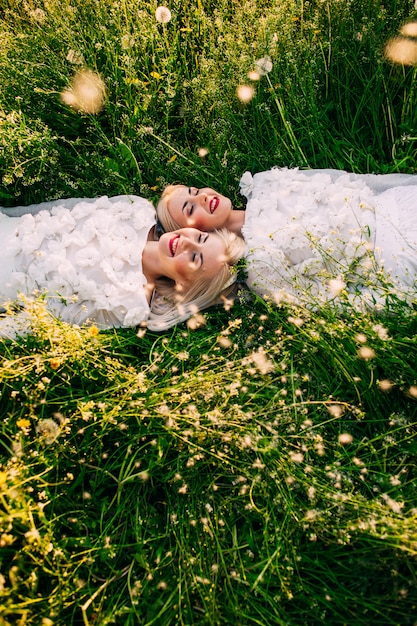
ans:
(100, 261)
(315, 235)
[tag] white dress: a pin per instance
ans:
(313, 235)
(84, 254)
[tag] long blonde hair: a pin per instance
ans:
(170, 307)
(164, 216)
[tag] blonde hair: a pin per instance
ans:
(170, 307)
(164, 216)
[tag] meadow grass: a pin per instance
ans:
(257, 468)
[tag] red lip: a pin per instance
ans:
(214, 203)
(173, 244)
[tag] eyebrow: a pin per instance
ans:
(186, 202)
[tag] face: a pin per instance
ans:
(188, 254)
(199, 208)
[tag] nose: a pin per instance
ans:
(201, 197)
(185, 242)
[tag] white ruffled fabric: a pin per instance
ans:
(86, 255)
(309, 233)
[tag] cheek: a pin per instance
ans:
(182, 268)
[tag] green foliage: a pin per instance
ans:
(262, 464)
(259, 469)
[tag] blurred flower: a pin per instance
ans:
(163, 15)
(75, 57)
(409, 30)
(345, 438)
(335, 410)
(366, 353)
(38, 15)
(264, 65)
(380, 331)
(413, 391)
(385, 385)
(48, 429)
(402, 51)
(245, 93)
(127, 41)
(32, 535)
(87, 92)
(336, 286)
(254, 75)
(202, 152)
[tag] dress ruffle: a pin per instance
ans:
(88, 259)
(307, 231)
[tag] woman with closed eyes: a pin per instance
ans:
(314, 234)
(99, 261)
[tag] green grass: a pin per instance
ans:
(256, 470)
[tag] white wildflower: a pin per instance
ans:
(336, 286)
(245, 93)
(87, 92)
(163, 15)
(409, 30)
(345, 438)
(48, 430)
(401, 51)
(264, 65)
(75, 57)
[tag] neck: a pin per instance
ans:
(151, 266)
(235, 221)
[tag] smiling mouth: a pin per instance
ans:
(214, 203)
(173, 244)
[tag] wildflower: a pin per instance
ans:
(54, 363)
(38, 15)
(127, 41)
(196, 321)
(163, 15)
(335, 410)
(385, 385)
(87, 92)
(264, 65)
(401, 51)
(48, 430)
(32, 535)
(336, 286)
(393, 504)
(254, 76)
(23, 423)
(202, 152)
(366, 353)
(75, 57)
(409, 30)
(262, 363)
(380, 331)
(345, 438)
(224, 342)
(297, 457)
(297, 321)
(413, 391)
(93, 331)
(245, 93)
